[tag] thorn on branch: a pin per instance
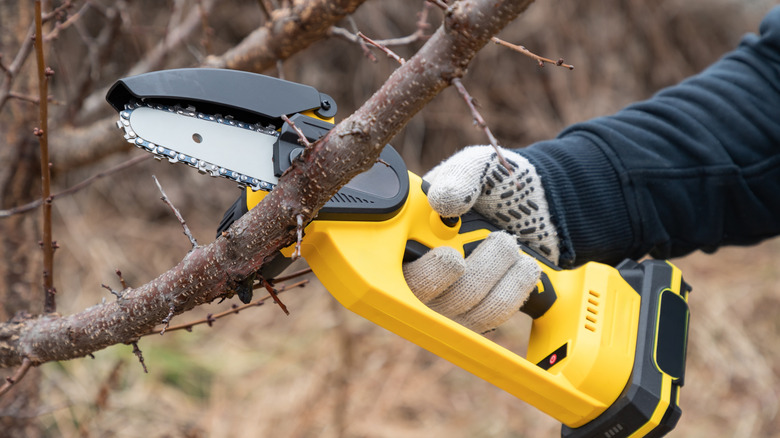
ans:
(165, 199)
(301, 137)
(137, 352)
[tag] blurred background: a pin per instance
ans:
(322, 371)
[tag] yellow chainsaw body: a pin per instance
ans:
(593, 322)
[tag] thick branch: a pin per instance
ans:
(207, 272)
(289, 31)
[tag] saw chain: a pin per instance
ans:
(161, 152)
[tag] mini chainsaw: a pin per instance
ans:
(606, 354)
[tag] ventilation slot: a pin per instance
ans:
(592, 310)
(349, 199)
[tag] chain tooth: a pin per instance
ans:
(172, 156)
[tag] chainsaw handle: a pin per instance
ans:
(359, 263)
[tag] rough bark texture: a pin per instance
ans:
(289, 31)
(207, 272)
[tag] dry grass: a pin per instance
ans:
(323, 372)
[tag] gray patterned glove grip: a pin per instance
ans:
(474, 178)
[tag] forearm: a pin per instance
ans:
(695, 167)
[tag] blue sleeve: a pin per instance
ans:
(696, 166)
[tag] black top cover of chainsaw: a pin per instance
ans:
(248, 97)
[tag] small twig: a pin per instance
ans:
(208, 31)
(443, 6)
(57, 11)
(165, 199)
(3, 68)
(121, 279)
(59, 27)
(140, 356)
(480, 122)
(361, 42)
(212, 317)
(118, 295)
(26, 98)
(44, 73)
(272, 293)
(356, 36)
(37, 203)
(265, 8)
(383, 48)
(276, 280)
(539, 59)
(301, 137)
(16, 377)
(353, 38)
(167, 321)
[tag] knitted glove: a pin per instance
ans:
(474, 178)
(480, 292)
(484, 290)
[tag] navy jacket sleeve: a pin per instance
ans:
(696, 166)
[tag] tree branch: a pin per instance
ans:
(208, 272)
(44, 72)
(289, 31)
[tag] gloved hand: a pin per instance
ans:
(487, 288)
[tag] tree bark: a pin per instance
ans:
(210, 271)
